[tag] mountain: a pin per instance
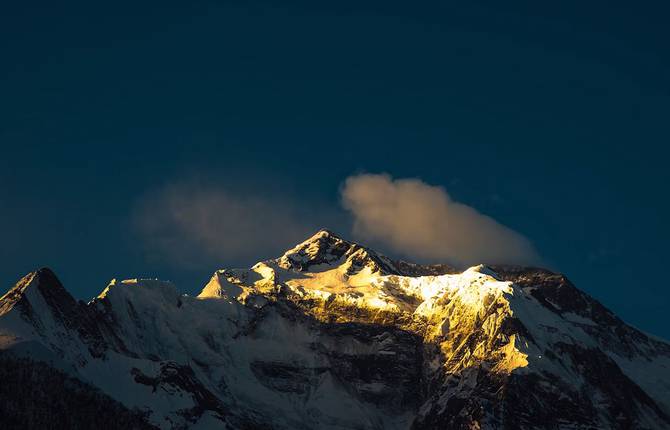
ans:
(333, 335)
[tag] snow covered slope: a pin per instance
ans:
(332, 335)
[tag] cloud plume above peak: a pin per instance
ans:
(190, 224)
(422, 221)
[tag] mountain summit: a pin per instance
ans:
(333, 335)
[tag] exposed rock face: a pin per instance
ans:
(34, 395)
(333, 335)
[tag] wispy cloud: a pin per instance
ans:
(422, 221)
(189, 224)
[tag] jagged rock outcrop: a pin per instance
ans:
(332, 335)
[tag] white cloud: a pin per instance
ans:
(422, 221)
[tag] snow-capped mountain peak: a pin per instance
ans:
(333, 335)
(41, 282)
(326, 248)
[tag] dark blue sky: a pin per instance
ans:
(552, 119)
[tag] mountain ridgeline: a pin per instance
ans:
(330, 335)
